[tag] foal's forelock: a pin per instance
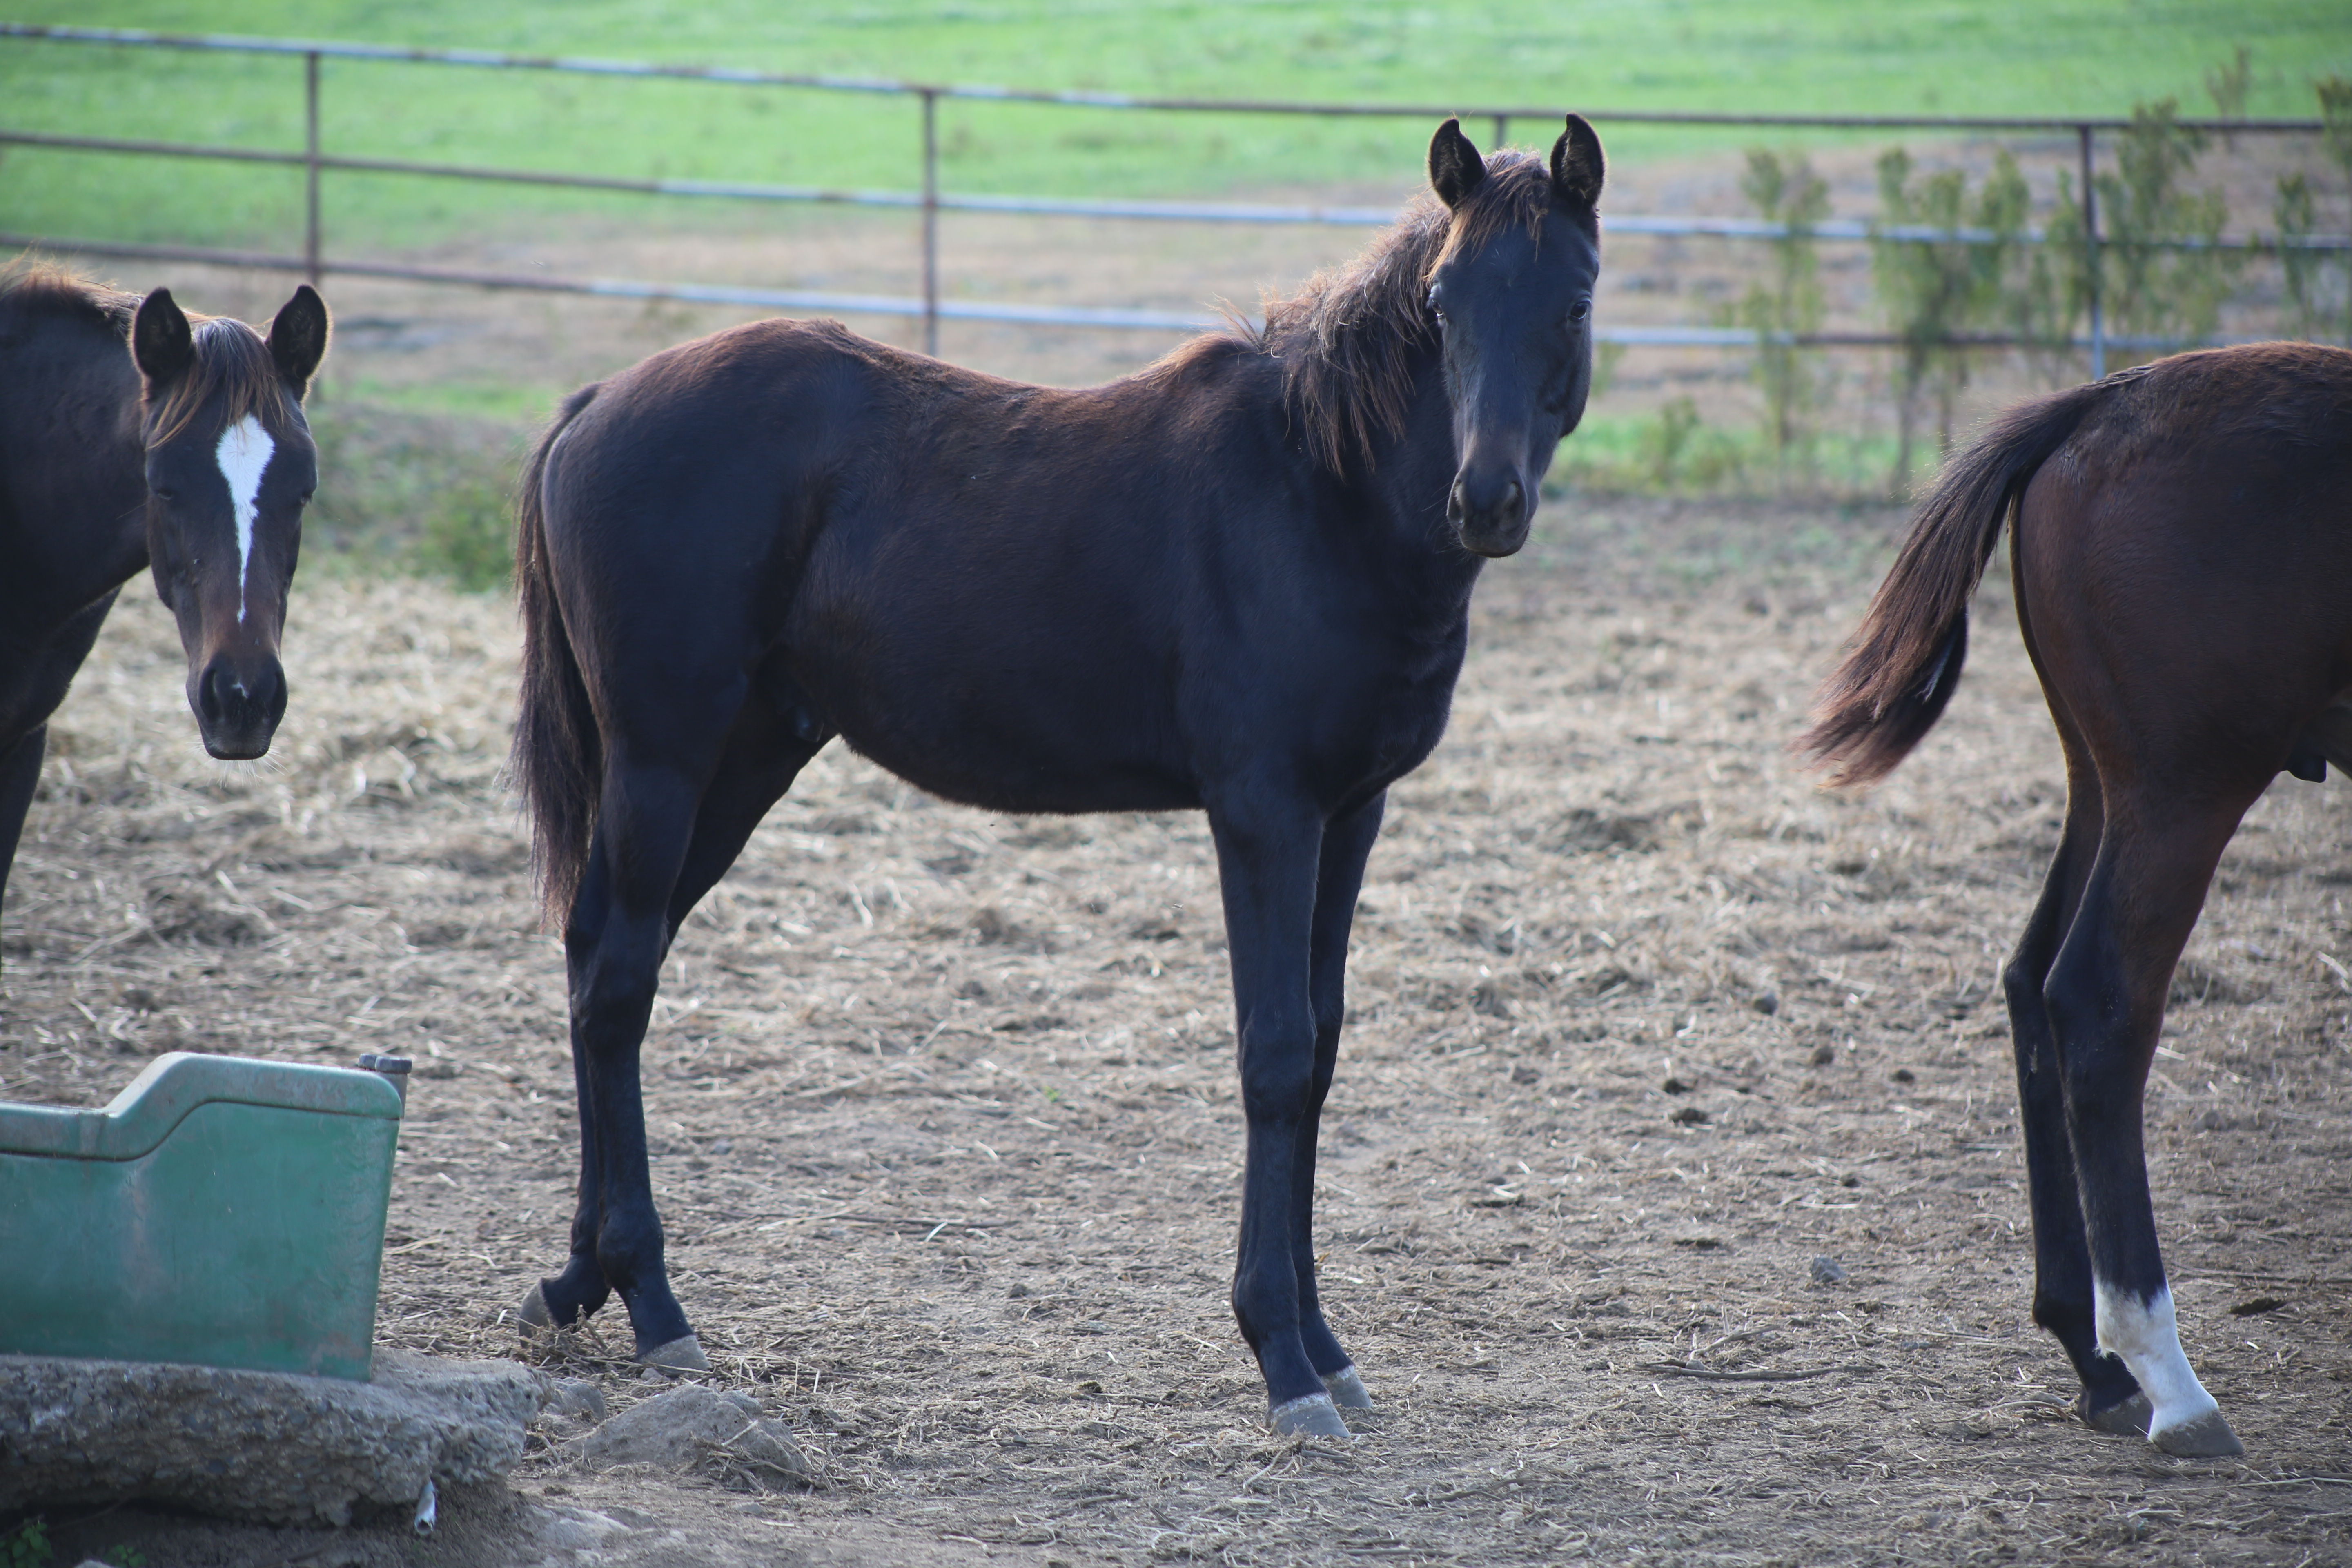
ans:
(232, 378)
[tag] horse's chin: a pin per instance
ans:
(1494, 543)
(236, 751)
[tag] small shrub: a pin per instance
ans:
(26, 1546)
(1785, 190)
(1664, 443)
(1935, 292)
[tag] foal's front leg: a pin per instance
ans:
(1346, 844)
(1267, 849)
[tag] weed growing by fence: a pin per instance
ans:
(1933, 291)
(1784, 190)
(2152, 288)
(2319, 284)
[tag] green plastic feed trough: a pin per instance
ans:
(221, 1211)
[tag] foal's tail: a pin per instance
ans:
(559, 756)
(1902, 663)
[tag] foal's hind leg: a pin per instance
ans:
(613, 942)
(1339, 876)
(616, 1238)
(2106, 996)
(2110, 1400)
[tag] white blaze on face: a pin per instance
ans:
(244, 456)
(2148, 1339)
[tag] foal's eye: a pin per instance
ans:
(1580, 310)
(1435, 309)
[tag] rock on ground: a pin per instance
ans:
(264, 1447)
(719, 1435)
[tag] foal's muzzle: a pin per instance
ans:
(1490, 513)
(238, 703)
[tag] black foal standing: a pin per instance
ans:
(1237, 581)
(131, 436)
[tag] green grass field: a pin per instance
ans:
(1989, 56)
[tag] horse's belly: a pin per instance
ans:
(1032, 779)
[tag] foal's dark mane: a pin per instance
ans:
(1346, 338)
(232, 361)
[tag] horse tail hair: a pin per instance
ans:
(559, 755)
(1904, 662)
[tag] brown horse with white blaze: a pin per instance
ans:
(2182, 551)
(133, 434)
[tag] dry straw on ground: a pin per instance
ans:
(943, 1118)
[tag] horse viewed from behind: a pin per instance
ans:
(133, 434)
(1237, 581)
(2181, 552)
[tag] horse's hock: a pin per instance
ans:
(187, 1314)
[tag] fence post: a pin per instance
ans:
(930, 221)
(2091, 257)
(1502, 129)
(311, 167)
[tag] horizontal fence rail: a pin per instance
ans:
(989, 310)
(1696, 226)
(929, 201)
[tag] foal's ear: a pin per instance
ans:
(297, 338)
(1454, 167)
(162, 346)
(1576, 165)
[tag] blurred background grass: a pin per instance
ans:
(1991, 57)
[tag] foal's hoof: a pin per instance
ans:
(2129, 1418)
(537, 1323)
(1347, 1390)
(683, 1353)
(2207, 1438)
(1310, 1416)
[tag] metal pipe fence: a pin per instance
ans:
(930, 201)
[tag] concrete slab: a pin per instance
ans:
(267, 1447)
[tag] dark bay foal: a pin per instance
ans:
(2182, 551)
(134, 436)
(1237, 581)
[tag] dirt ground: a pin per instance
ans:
(944, 1125)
